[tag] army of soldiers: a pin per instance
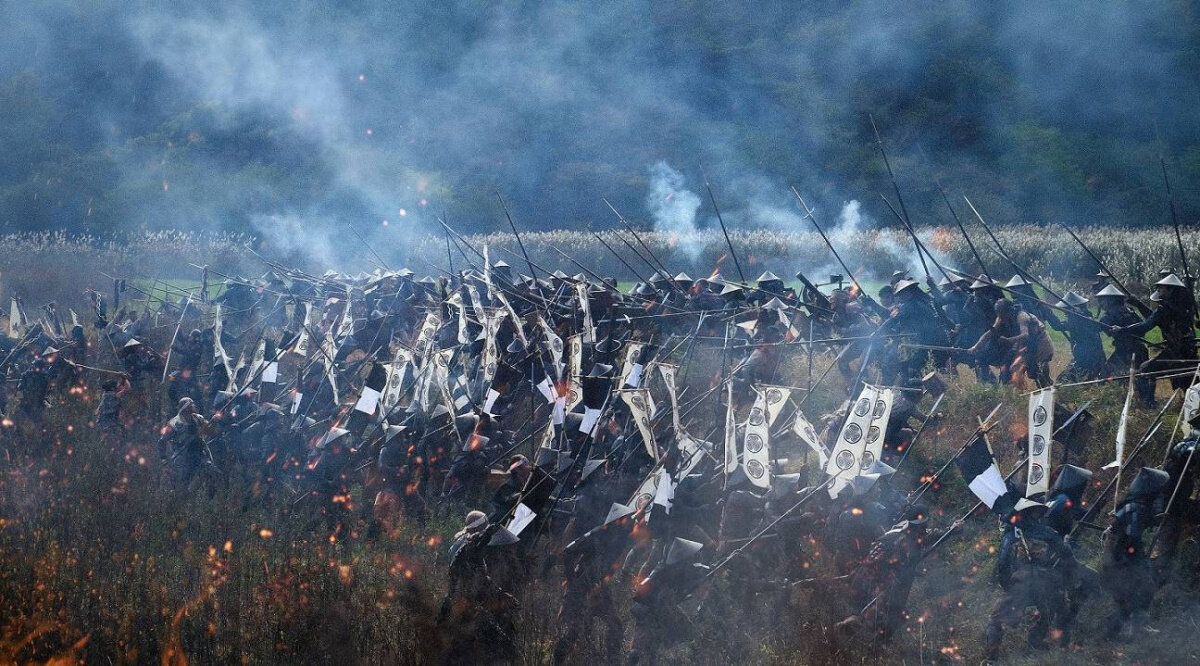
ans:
(557, 409)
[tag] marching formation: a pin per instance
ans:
(643, 442)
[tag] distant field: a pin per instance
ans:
(43, 267)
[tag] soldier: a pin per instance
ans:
(1023, 295)
(918, 322)
(977, 318)
(882, 582)
(1065, 502)
(1126, 572)
(1182, 466)
(589, 564)
(31, 392)
(658, 621)
(850, 321)
(1017, 343)
(527, 484)
(1087, 351)
(108, 411)
(1128, 350)
(183, 447)
(1033, 566)
(1174, 317)
(475, 609)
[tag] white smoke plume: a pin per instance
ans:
(673, 208)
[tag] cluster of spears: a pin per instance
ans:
(589, 424)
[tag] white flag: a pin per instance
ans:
(575, 361)
(491, 355)
(423, 345)
(881, 413)
(395, 381)
(644, 496)
(16, 322)
(218, 346)
(589, 329)
(640, 407)
(730, 431)
(756, 447)
(328, 354)
(808, 434)
(846, 461)
(258, 360)
(668, 377)
(777, 397)
(301, 347)
(346, 326)
(554, 344)
(691, 452)
(1123, 425)
(1041, 430)
(631, 372)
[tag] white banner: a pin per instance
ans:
(425, 336)
(730, 431)
(575, 361)
(808, 434)
(668, 377)
(640, 407)
(881, 413)
(589, 329)
(845, 461)
(777, 397)
(301, 347)
(346, 326)
(491, 355)
(756, 446)
(218, 346)
(631, 371)
(1041, 431)
(554, 344)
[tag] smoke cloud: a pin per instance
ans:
(673, 208)
(227, 116)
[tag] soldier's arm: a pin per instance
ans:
(1143, 326)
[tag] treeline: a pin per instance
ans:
(1050, 113)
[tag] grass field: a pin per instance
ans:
(100, 563)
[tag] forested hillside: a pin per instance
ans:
(274, 116)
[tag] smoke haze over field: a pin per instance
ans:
(295, 119)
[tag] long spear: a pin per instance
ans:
(1000, 251)
(917, 241)
(737, 264)
(370, 249)
(620, 258)
(808, 213)
(514, 230)
(962, 230)
(578, 265)
(1175, 221)
(661, 266)
(1112, 276)
(171, 347)
(460, 237)
(906, 219)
